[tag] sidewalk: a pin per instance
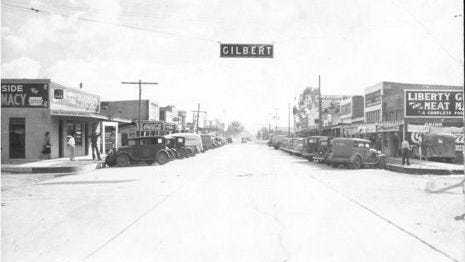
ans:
(57, 165)
(423, 167)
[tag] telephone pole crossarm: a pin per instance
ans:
(140, 83)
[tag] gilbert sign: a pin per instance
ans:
(246, 50)
(434, 103)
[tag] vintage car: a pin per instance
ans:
(285, 144)
(146, 149)
(354, 152)
(311, 146)
(439, 147)
(171, 150)
(277, 140)
(244, 140)
(324, 146)
(229, 140)
(192, 142)
(207, 142)
(297, 146)
(177, 144)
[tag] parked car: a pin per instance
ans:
(230, 140)
(439, 147)
(297, 146)
(244, 140)
(311, 146)
(285, 144)
(177, 143)
(323, 148)
(207, 142)
(354, 152)
(141, 149)
(193, 142)
(277, 140)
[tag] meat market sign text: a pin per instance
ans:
(246, 50)
(433, 103)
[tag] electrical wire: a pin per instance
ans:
(43, 12)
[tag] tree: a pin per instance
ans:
(234, 129)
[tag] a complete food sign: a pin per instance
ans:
(24, 95)
(433, 103)
(246, 50)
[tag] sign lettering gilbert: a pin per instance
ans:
(246, 50)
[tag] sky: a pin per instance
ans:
(352, 44)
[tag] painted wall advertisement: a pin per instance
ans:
(433, 103)
(67, 99)
(25, 95)
(373, 98)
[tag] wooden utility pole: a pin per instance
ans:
(319, 103)
(140, 83)
(198, 116)
(276, 120)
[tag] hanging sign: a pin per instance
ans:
(433, 103)
(246, 50)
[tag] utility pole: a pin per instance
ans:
(275, 119)
(319, 104)
(289, 119)
(140, 83)
(198, 116)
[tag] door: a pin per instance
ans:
(60, 138)
(17, 138)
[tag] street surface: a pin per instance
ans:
(241, 202)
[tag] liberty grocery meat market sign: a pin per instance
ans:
(433, 103)
(246, 50)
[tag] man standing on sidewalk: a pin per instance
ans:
(405, 151)
(93, 141)
(71, 145)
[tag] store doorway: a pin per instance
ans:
(60, 138)
(17, 138)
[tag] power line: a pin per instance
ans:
(38, 11)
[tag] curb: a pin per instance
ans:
(422, 171)
(57, 169)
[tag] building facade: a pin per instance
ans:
(32, 107)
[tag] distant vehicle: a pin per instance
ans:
(439, 147)
(146, 149)
(230, 140)
(311, 146)
(177, 143)
(193, 142)
(277, 140)
(244, 140)
(354, 152)
(207, 141)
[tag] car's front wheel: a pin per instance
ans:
(150, 162)
(162, 158)
(122, 160)
(382, 163)
(357, 163)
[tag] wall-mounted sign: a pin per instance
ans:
(433, 103)
(74, 100)
(152, 126)
(373, 98)
(246, 50)
(58, 93)
(25, 95)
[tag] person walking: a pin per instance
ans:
(47, 147)
(93, 141)
(405, 151)
(71, 146)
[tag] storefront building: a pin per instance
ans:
(392, 111)
(32, 107)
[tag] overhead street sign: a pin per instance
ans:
(246, 50)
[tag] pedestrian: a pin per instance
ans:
(47, 147)
(405, 151)
(93, 141)
(71, 146)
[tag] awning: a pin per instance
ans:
(77, 114)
